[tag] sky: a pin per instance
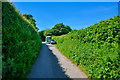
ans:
(78, 15)
(61, 0)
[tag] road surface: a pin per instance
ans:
(52, 64)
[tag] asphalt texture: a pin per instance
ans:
(52, 64)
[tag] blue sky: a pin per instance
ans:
(77, 15)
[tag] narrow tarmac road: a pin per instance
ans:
(52, 64)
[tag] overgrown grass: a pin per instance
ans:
(94, 48)
(21, 43)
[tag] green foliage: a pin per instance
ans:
(21, 43)
(95, 48)
(41, 33)
(58, 29)
(30, 18)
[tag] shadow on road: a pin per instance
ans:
(47, 65)
(56, 66)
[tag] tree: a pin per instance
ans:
(68, 27)
(30, 18)
(59, 26)
(58, 29)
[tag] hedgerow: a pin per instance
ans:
(96, 48)
(20, 43)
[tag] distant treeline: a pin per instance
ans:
(57, 30)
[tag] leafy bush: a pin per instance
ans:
(21, 43)
(94, 48)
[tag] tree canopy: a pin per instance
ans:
(30, 18)
(58, 29)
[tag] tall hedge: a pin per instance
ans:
(95, 49)
(21, 43)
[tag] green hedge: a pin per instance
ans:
(21, 43)
(95, 49)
